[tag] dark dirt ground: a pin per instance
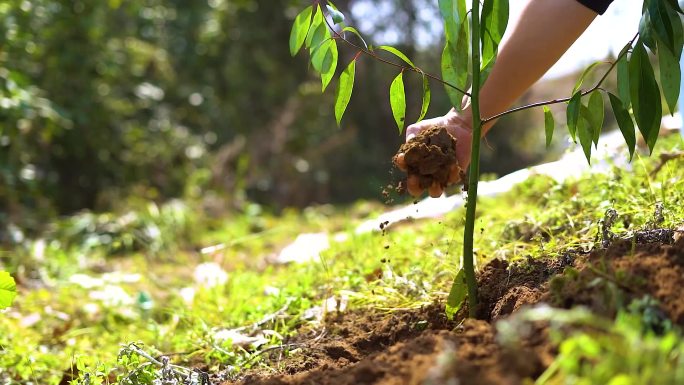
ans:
(423, 347)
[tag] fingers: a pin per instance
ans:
(413, 185)
(435, 190)
(454, 174)
(415, 128)
(400, 162)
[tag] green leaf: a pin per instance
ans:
(625, 123)
(623, 79)
(329, 64)
(454, 15)
(344, 90)
(645, 95)
(457, 294)
(8, 290)
(455, 71)
(319, 54)
(660, 22)
(493, 26)
(455, 56)
(584, 131)
(398, 101)
(426, 97)
(596, 114)
(573, 112)
(300, 28)
(646, 31)
(670, 77)
(548, 125)
(675, 6)
(397, 53)
(677, 31)
(586, 71)
(337, 16)
(317, 31)
(357, 33)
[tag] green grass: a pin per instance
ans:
(59, 322)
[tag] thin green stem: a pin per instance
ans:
(468, 258)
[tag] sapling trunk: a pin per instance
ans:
(474, 175)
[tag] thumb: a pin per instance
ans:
(415, 128)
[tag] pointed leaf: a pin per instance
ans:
(355, 32)
(573, 113)
(426, 97)
(398, 101)
(677, 31)
(625, 123)
(584, 131)
(397, 53)
(344, 90)
(623, 80)
(8, 290)
(455, 72)
(455, 56)
(675, 6)
(320, 54)
(454, 14)
(645, 95)
(336, 16)
(317, 31)
(548, 125)
(596, 115)
(586, 71)
(329, 64)
(457, 294)
(300, 28)
(670, 77)
(660, 22)
(493, 26)
(646, 31)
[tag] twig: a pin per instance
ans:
(664, 158)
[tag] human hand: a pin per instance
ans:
(459, 126)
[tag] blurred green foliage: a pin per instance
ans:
(103, 101)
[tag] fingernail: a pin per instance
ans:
(410, 136)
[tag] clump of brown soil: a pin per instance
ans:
(431, 156)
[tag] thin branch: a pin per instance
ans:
(372, 54)
(555, 101)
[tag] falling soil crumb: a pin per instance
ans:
(383, 227)
(430, 156)
(422, 347)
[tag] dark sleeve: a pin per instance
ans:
(598, 6)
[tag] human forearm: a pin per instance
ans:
(545, 30)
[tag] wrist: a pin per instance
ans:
(463, 119)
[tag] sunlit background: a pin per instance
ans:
(104, 102)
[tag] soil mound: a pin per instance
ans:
(422, 347)
(430, 157)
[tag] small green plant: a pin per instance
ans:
(471, 46)
(8, 290)
(595, 350)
